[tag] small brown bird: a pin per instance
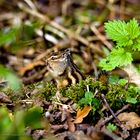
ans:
(62, 69)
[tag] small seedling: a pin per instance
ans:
(126, 36)
(111, 127)
(88, 99)
(122, 82)
(131, 100)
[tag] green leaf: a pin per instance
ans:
(105, 66)
(113, 79)
(136, 45)
(11, 78)
(33, 117)
(131, 100)
(83, 101)
(7, 36)
(95, 102)
(122, 82)
(133, 28)
(118, 57)
(127, 37)
(116, 30)
(13, 128)
(123, 33)
(4, 119)
(111, 127)
(87, 100)
(88, 95)
(28, 30)
(134, 89)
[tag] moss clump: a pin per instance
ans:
(77, 91)
(117, 95)
(42, 89)
(49, 90)
(74, 92)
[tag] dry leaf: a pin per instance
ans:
(82, 114)
(134, 76)
(130, 120)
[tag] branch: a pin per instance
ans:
(69, 33)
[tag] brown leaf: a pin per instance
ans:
(82, 114)
(134, 76)
(130, 120)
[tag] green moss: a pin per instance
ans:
(14, 95)
(117, 95)
(45, 89)
(77, 91)
(74, 92)
(49, 90)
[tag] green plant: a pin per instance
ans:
(88, 99)
(118, 95)
(111, 127)
(10, 77)
(18, 36)
(127, 38)
(8, 35)
(13, 125)
(122, 82)
(131, 100)
(114, 79)
(77, 91)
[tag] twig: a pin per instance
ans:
(122, 9)
(30, 4)
(103, 122)
(104, 99)
(120, 124)
(101, 37)
(70, 33)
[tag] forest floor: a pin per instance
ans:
(51, 84)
